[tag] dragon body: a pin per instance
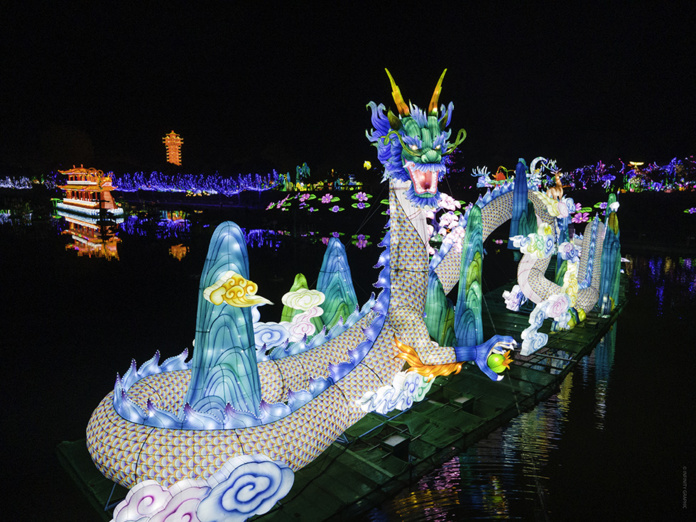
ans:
(146, 436)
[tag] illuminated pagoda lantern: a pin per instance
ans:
(90, 212)
(636, 166)
(173, 143)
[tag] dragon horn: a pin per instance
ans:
(432, 108)
(398, 99)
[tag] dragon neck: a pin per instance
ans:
(408, 250)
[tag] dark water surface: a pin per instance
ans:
(613, 443)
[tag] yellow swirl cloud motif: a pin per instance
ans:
(235, 290)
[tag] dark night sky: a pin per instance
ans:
(262, 86)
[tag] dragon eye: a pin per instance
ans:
(413, 147)
(437, 148)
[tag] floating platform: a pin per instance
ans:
(382, 454)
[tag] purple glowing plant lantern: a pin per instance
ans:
(332, 235)
(581, 217)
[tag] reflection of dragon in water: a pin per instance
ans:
(265, 419)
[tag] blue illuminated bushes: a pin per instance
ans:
(195, 183)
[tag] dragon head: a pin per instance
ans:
(412, 145)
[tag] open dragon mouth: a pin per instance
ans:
(424, 177)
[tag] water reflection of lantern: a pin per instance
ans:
(87, 241)
(178, 251)
(173, 142)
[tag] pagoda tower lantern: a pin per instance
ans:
(173, 142)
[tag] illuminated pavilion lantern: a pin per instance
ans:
(87, 207)
(636, 165)
(173, 142)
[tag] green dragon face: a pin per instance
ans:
(422, 154)
(413, 144)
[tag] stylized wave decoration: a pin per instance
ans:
(288, 348)
(514, 298)
(407, 388)
(245, 486)
(541, 244)
(557, 307)
(270, 335)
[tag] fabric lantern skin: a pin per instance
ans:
(224, 358)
